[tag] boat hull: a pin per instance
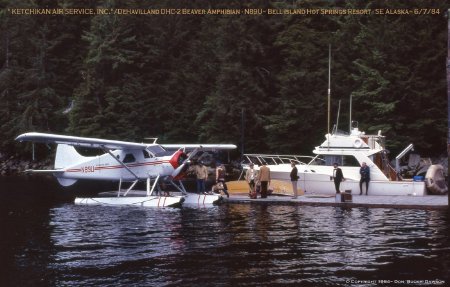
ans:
(316, 183)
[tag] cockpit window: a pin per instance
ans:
(129, 157)
(156, 150)
(146, 154)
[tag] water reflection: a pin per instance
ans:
(256, 245)
(26, 248)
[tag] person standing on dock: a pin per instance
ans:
(365, 177)
(250, 176)
(294, 179)
(264, 179)
(338, 177)
(201, 173)
(220, 177)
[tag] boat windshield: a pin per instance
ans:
(338, 132)
(341, 160)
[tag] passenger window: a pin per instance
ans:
(350, 160)
(331, 159)
(129, 158)
(342, 160)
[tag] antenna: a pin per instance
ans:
(337, 120)
(33, 154)
(329, 84)
(350, 115)
(242, 132)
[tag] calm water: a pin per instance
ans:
(47, 242)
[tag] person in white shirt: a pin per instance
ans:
(250, 176)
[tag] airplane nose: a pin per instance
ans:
(179, 162)
(178, 159)
(181, 158)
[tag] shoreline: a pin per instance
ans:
(11, 165)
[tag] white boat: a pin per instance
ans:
(349, 151)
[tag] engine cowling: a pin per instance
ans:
(179, 164)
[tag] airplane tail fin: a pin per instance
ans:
(67, 155)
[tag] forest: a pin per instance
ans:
(259, 81)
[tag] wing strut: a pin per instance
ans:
(121, 163)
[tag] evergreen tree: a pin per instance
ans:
(300, 111)
(106, 98)
(189, 77)
(400, 78)
(40, 55)
(28, 97)
(245, 82)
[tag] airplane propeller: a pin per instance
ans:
(179, 169)
(185, 165)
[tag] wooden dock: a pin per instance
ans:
(406, 202)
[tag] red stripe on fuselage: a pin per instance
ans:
(109, 167)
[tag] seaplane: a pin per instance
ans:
(126, 162)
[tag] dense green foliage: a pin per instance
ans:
(192, 78)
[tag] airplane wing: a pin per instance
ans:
(79, 141)
(203, 147)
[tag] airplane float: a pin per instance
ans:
(125, 162)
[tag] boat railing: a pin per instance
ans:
(270, 159)
(392, 174)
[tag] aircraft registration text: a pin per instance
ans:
(87, 169)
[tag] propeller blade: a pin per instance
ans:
(185, 164)
(179, 169)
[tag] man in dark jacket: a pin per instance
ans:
(294, 179)
(365, 177)
(337, 177)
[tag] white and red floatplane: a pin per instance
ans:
(126, 162)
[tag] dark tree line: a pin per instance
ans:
(191, 78)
